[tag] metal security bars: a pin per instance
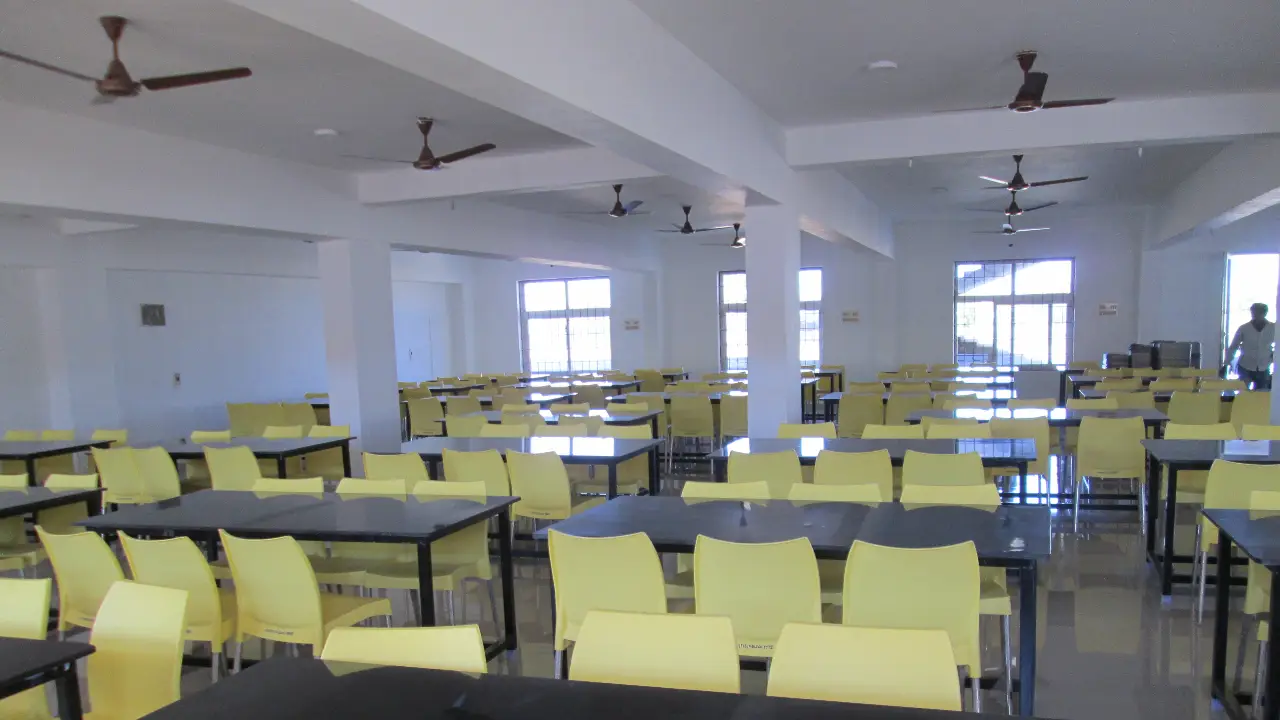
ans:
(564, 325)
(1014, 312)
(733, 318)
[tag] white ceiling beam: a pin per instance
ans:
(831, 207)
(1241, 180)
(1164, 120)
(530, 172)
(75, 226)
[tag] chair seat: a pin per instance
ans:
(680, 585)
(205, 633)
(347, 610)
(20, 557)
(338, 571)
(994, 593)
(404, 575)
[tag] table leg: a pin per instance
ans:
(1022, 483)
(346, 459)
(1027, 618)
(718, 470)
(655, 478)
(1153, 502)
(813, 398)
(67, 687)
(426, 589)
(1170, 504)
(31, 472)
(828, 413)
(1221, 611)
(1062, 388)
(613, 479)
(508, 579)
(1271, 708)
(653, 423)
(281, 471)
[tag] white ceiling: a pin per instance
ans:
(948, 186)
(300, 83)
(803, 61)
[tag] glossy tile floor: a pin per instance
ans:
(1110, 648)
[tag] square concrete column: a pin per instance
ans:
(773, 317)
(360, 343)
(79, 354)
(1275, 394)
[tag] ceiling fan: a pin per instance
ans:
(1030, 95)
(427, 160)
(688, 229)
(619, 210)
(1008, 229)
(739, 240)
(1014, 209)
(1018, 184)
(117, 82)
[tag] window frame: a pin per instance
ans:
(1013, 300)
(724, 309)
(566, 314)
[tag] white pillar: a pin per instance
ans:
(1275, 393)
(360, 343)
(77, 345)
(773, 317)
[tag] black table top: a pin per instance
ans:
(261, 447)
(586, 450)
(1006, 535)
(995, 396)
(303, 689)
(1058, 417)
(29, 449)
(495, 416)
(1095, 379)
(566, 384)
(1159, 395)
(29, 500)
(994, 452)
(1257, 532)
(973, 379)
(21, 658)
(534, 398)
(322, 517)
(1196, 453)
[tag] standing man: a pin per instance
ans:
(1254, 340)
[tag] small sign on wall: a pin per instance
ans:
(153, 315)
(630, 324)
(1108, 308)
(850, 316)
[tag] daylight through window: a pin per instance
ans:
(564, 325)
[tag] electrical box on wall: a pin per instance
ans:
(152, 315)
(850, 316)
(630, 324)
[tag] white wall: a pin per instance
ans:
(24, 402)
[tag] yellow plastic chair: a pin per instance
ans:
(1260, 432)
(62, 520)
(159, 473)
(729, 578)
(861, 493)
(136, 666)
(1191, 483)
(691, 419)
(840, 468)
(505, 430)
(633, 474)
(628, 407)
(1036, 429)
(858, 411)
(424, 416)
(232, 468)
(965, 402)
(277, 597)
(1032, 403)
(620, 573)
(1229, 487)
(196, 472)
(1120, 384)
(1215, 385)
(85, 569)
(733, 416)
(293, 465)
(1133, 400)
(486, 466)
(115, 437)
(1193, 408)
(564, 429)
(900, 406)
(24, 613)
(326, 463)
(754, 491)
(1173, 384)
(957, 431)
(21, 436)
(458, 648)
(1092, 404)
(564, 408)
(542, 484)
(282, 432)
(1251, 408)
(461, 405)
(795, 431)
(859, 388)
(408, 467)
(651, 381)
(201, 437)
(1109, 448)
(465, 426)
(122, 480)
(16, 552)
(984, 495)
(277, 486)
(681, 652)
(1257, 598)
(592, 395)
(901, 667)
(177, 563)
(920, 468)
(893, 432)
(919, 589)
(780, 470)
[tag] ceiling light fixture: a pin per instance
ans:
(324, 132)
(882, 65)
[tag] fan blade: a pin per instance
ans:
(1022, 230)
(170, 82)
(1039, 207)
(378, 159)
(1033, 86)
(1075, 103)
(1042, 183)
(638, 212)
(631, 206)
(710, 229)
(999, 210)
(669, 231)
(988, 232)
(988, 178)
(463, 154)
(46, 66)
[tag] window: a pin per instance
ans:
(1014, 312)
(1250, 279)
(564, 325)
(733, 318)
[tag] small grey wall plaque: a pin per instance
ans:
(153, 315)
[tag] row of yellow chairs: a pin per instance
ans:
(781, 473)
(1189, 408)
(251, 419)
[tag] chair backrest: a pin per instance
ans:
(136, 666)
(462, 405)
(233, 468)
(159, 473)
(1092, 404)
(115, 437)
(509, 408)
(957, 431)
(1218, 431)
(691, 416)
(902, 667)
(917, 588)
(329, 431)
(1133, 400)
(610, 573)
(631, 407)
(681, 652)
(506, 429)
(565, 428)
(364, 486)
(1219, 385)
(1036, 428)
(276, 593)
(893, 432)
(626, 432)
(920, 468)
(965, 401)
(858, 388)
(857, 411)
(282, 432)
(459, 648)
(200, 437)
(651, 381)
(1251, 408)
(860, 493)
(909, 388)
(244, 420)
(1230, 484)
(121, 476)
(424, 413)
(1168, 384)
(780, 470)
(855, 468)
(1111, 447)
(733, 416)
(85, 569)
(465, 425)
(177, 563)
(1032, 403)
(1193, 408)
(21, 435)
(1260, 432)
(558, 408)
(729, 578)
(726, 491)
(24, 613)
(1120, 384)
(541, 483)
(301, 414)
(985, 495)
(398, 466)
(592, 395)
(807, 430)
(278, 486)
(485, 466)
(900, 405)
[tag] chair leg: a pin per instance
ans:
(1075, 507)
(1259, 680)
(235, 665)
(1197, 558)
(415, 605)
(1246, 624)
(559, 666)
(1007, 647)
(493, 606)
(215, 661)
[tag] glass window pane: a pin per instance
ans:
(975, 326)
(548, 350)
(544, 295)
(811, 285)
(1043, 277)
(589, 345)
(733, 288)
(1004, 334)
(987, 279)
(590, 293)
(1058, 335)
(1031, 336)
(735, 341)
